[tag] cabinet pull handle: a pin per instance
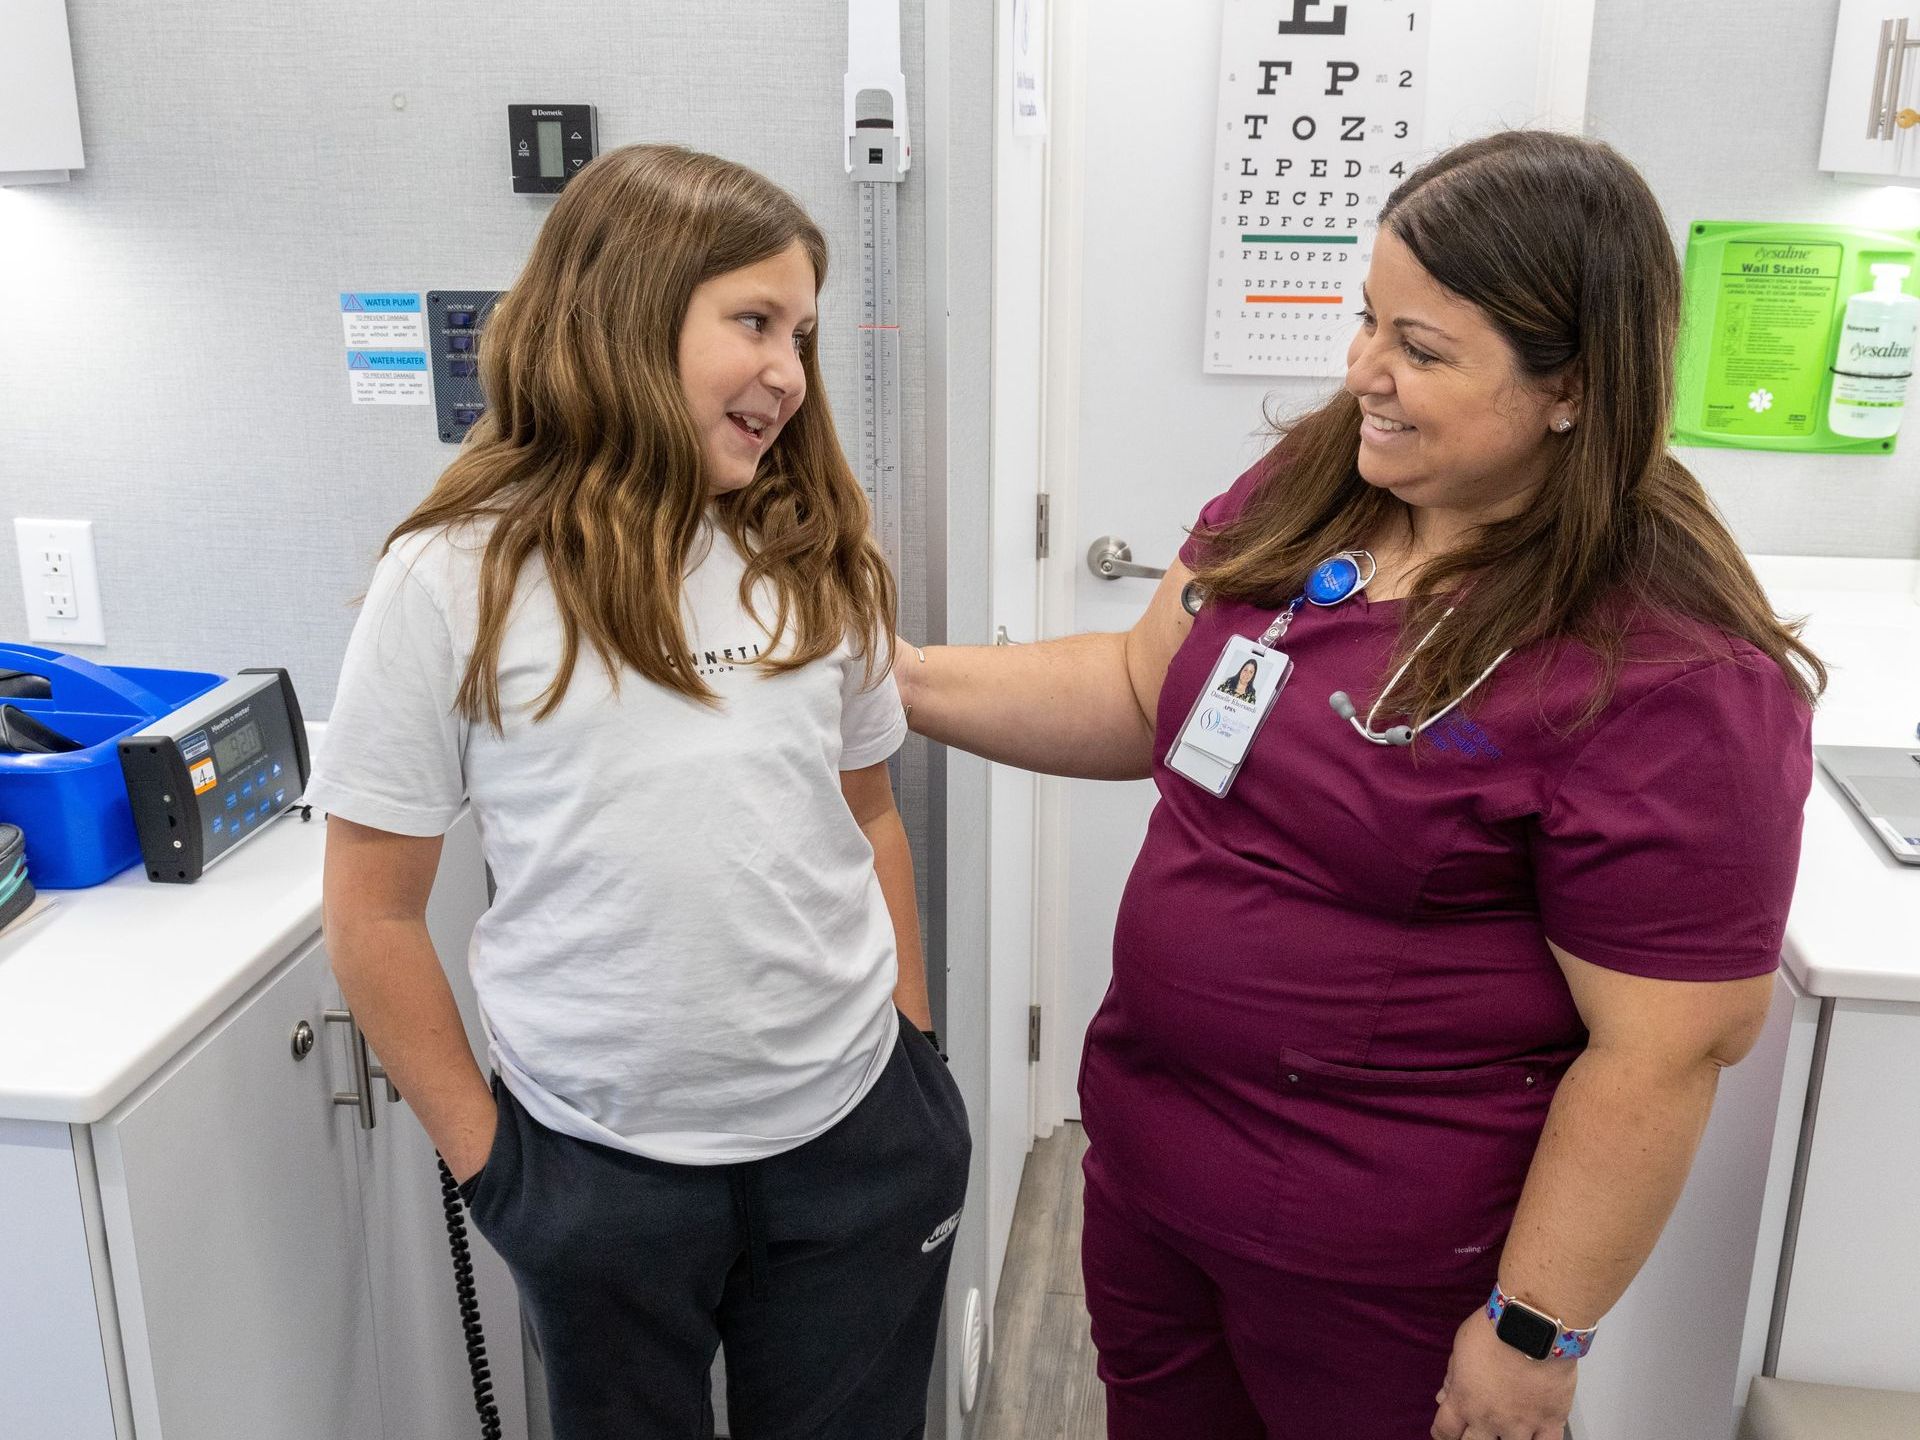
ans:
(1884, 113)
(379, 1072)
(361, 1096)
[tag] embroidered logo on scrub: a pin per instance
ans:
(1463, 736)
(943, 1234)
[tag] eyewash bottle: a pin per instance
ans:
(1875, 358)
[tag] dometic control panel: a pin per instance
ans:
(550, 144)
(454, 321)
(214, 773)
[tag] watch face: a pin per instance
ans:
(1528, 1331)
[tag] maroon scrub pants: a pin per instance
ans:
(1194, 1341)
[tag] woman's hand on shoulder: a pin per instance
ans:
(906, 655)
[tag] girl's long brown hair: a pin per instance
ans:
(1561, 245)
(588, 457)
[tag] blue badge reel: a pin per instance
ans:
(1333, 581)
(1247, 679)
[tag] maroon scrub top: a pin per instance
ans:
(1334, 1027)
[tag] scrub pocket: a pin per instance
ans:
(1403, 1176)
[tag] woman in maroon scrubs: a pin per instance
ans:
(1409, 1045)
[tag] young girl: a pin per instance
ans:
(635, 626)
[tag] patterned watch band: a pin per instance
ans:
(1567, 1344)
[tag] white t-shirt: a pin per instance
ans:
(688, 955)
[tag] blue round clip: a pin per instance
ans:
(1333, 580)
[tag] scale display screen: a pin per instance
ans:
(230, 752)
(214, 773)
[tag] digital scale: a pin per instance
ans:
(209, 777)
(1884, 785)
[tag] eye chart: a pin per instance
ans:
(1322, 109)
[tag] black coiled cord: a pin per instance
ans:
(469, 1297)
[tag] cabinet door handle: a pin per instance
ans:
(379, 1072)
(1884, 112)
(361, 1096)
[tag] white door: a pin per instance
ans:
(1155, 437)
(231, 1193)
(1019, 168)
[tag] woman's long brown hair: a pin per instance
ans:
(1561, 245)
(588, 457)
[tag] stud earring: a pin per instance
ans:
(1564, 425)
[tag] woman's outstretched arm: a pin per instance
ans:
(1081, 706)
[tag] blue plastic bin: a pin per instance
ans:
(73, 807)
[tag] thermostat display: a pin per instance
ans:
(549, 145)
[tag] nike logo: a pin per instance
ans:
(943, 1234)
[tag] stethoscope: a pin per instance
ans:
(1333, 580)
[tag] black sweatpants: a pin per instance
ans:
(821, 1271)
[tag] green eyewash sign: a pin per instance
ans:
(1763, 310)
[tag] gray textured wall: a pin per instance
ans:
(1721, 107)
(171, 360)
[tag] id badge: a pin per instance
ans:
(1239, 695)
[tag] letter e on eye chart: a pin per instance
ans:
(1322, 112)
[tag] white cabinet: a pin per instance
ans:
(1675, 1356)
(1853, 1305)
(232, 1199)
(1872, 129)
(235, 1253)
(39, 109)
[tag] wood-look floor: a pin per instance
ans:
(1042, 1385)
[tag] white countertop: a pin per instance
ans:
(1854, 931)
(100, 987)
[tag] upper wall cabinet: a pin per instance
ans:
(39, 110)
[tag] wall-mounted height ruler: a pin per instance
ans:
(880, 362)
(877, 157)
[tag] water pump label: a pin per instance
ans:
(384, 320)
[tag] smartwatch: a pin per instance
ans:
(1534, 1333)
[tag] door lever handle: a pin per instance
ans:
(1111, 558)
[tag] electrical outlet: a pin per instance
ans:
(60, 578)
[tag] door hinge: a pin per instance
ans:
(1033, 1034)
(1042, 527)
